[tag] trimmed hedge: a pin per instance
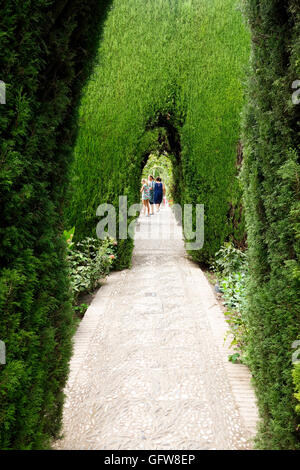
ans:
(271, 179)
(167, 74)
(44, 56)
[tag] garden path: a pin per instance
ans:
(150, 368)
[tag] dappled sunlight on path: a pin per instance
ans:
(149, 369)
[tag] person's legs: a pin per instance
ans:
(144, 207)
(148, 206)
(152, 207)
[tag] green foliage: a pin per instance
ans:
(296, 380)
(271, 193)
(229, 260)
(80, 310)
(168, 77)
(234, 358)
(44, 53)
(230, 266)
(89, 261)
(233, 288)
(68, 236)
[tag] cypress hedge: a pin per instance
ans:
(271, 184)
(168, 75)
(45, 51)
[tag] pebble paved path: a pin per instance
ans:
(150, 369)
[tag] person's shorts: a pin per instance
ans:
(151, 201)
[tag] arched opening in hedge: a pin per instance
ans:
(139, 98)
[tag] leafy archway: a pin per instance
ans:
(140, 98)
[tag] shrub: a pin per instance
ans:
(89, 261)
(229, 260)
(296, 379)
(230, 266)
(233, 288)
(44, 54)
(271, 194)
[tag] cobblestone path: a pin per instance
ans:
(150, 369)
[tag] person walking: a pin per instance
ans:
(151, 184)
(145, 190)
(159, 192)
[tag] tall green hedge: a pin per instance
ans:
(44, 52)
(175, 68)
(272, 192)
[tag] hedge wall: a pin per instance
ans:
(271, 179)
(176, 66)
(44, 52)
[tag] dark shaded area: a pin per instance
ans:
(166, 121)
(239, 155)
(235, 214)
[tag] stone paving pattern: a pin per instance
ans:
(150, 368)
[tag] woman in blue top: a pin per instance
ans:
(159, 192)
